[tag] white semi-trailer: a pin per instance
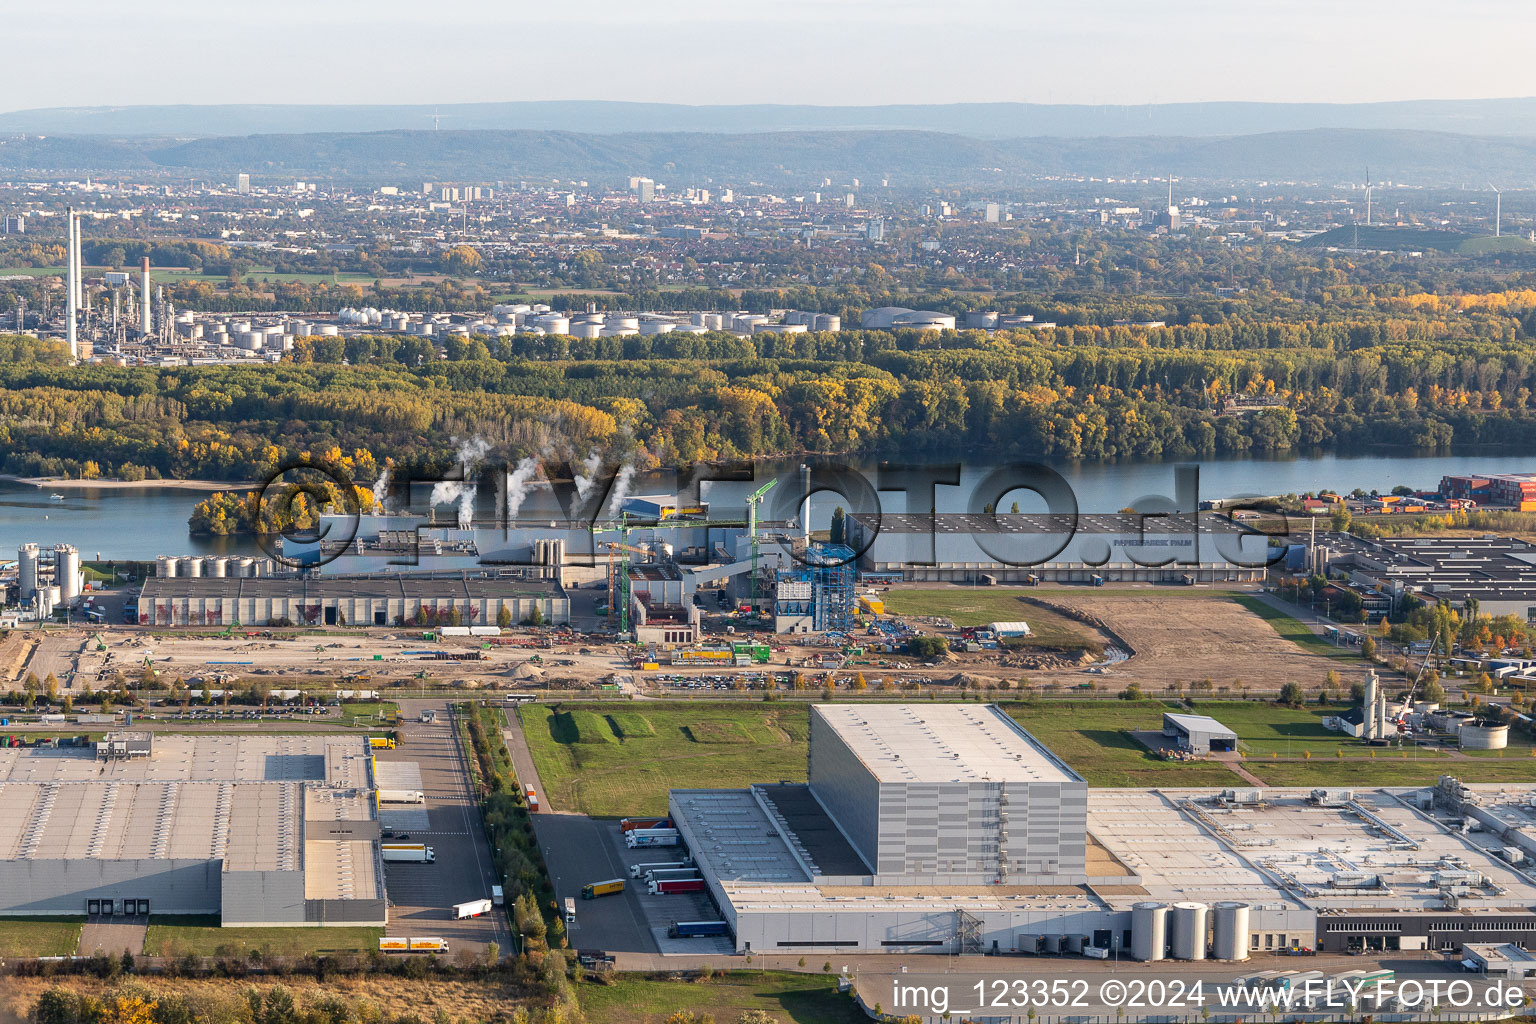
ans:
(407, 853)
(401, 796)
(474, 908)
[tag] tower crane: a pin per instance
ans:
(753, 501)
(621, 578)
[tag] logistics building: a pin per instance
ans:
(268, 831)
(378, 599)
(947, 828)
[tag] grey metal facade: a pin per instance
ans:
(846, 790)
(62, 887)
(263, 898)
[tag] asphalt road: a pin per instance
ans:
(580, 850)
(422, 895)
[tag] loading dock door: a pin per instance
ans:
(93, 907)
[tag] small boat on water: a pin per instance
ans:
(56, 497)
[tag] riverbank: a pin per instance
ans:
(113, 484)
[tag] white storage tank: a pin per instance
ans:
(327, 330)
(1485, 735)
(1149, 931)
(66, 572)
(553, 323)
(1187, 927)
(192, 566)
(657, 327)
(983, 320)
(245, 565)
(714, 321)
(827, 322)
(587, 329)
(217, 567)
(26, 570)
(1229, 931)
(165, 567)
(616, 326)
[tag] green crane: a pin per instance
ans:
(754, 500)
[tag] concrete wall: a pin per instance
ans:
(845, 789)
(173, 610)
(345, 913)
(263, 898)
(63, 886)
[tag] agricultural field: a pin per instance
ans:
(789, 998)
(1392, 768)
(39, 936)
(610, 763)
(1093, 736)
(975, 606)
(1205, 635)
(1293, 629)
(175, 936)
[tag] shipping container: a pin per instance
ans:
(688, 929)
(407, 853)
(401, 796)
(671, 886)
(474, 908)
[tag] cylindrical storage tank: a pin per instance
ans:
(1229, 931)
(554, 324)
(244, 566)
(656, 326)
(26, 570)
(66, 571)
(192, 566)
(1149, 931)
(1484, 736)
(165, 567)
(53, 595)
(327, 330)
(217, 567)
(827, 322)
(697, 319)
(689, 329)
(1186, 930)
(714, 321)
(587, 329)
(984, 320)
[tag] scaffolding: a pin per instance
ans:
(832, 573)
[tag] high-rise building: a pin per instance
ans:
(15, 224)
(993, 213)
(243, 184)
(645, 190)
(874, 231)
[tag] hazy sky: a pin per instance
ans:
(111, 52)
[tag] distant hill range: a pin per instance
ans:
(1320, 156)
(1492, 117)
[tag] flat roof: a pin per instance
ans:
(1199, 723)
(466, 584)
(942, 743)
(1052, 523)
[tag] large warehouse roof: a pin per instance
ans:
(425, 586)
(945, 523)
(292, 758)
(942, 743)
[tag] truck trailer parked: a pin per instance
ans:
(641, 870)
(609, 888)
(630, 824)
(688, 929)
(407, 853)
(402, 796)
(672, 886)
(474, 908)
(639, 837)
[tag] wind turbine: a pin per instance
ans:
(1498, 209)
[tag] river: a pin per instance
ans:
(142, 522)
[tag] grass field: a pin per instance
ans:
(175, 936)
(631, 725)
(363, 712)
(1294, 630)
(975, 606)
(797, 998)
(632, 775)
(1091, 736)
(39, 936)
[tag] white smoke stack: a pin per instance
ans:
(79, 269)
(72, 293)
(145, 318)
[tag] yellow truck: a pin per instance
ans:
(381, 742)
(609, 888)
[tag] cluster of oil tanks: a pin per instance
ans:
(1190, 931)
(68, 580)
(217, 566)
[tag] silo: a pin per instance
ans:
(1149, 931)
(26, 569)
(217, 566)
(192, 566)
(165, 567)
(66, 572)
(1229, 931)
(244, 566)
(1486, 735)
(1186, 931)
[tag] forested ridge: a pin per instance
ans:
(1415, 371)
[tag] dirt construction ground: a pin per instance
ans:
(1190, 638)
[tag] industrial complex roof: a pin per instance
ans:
(1199, 723)
(942, 743)
(462, 585)
(241, 800)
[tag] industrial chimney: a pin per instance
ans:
(144, 323)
